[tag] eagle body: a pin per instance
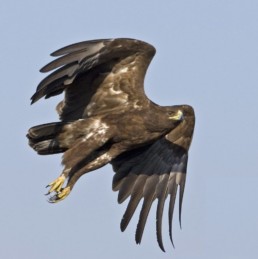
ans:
(105, 117)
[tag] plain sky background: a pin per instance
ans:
(207, 56)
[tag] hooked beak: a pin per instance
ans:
(179, 116)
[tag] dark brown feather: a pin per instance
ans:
(126, 187)
(168, 163)
(149, 191)
(84, 45)
(172, 191)
(134, 201)
(103, 59)
(161, 196)
(106, 117)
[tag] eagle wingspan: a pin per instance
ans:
(106, 117)
(97, 76)
(154, 172)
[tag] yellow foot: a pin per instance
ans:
(56, 185)
(60, 195)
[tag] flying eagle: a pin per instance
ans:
(105, 117)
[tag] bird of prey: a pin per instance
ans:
(105, 117)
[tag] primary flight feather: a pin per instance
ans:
(105, 117)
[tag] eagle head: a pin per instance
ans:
(176, 115)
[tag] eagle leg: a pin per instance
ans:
(56, 185)
(64, 192)
(100, 161)
(72, 176)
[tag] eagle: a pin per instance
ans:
(105, 117)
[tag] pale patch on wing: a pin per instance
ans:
(123, 70)
(106, 99)
(87, 136)
(137, 105)
(115, 91)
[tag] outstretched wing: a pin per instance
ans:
(97, 76)
(154, 172)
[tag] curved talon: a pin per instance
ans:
(56, 185)
(64, 193)
(60, 195)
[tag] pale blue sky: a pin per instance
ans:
(207, 56)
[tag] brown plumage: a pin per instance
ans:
(105, 117)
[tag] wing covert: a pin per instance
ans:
(97, 76)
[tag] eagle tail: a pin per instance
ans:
(44, 138)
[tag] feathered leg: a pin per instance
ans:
(87, 150)
(76, 172)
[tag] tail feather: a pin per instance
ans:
(44, 138)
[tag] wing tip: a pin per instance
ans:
(171, 240)
(55, 54)
(44, 69)
(181, 195)
(161, 246)
(122, 225)
(34, 99)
